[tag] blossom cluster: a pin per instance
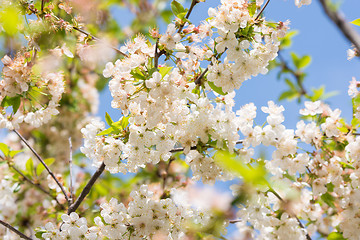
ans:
(19, 88)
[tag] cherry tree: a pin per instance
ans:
(67, 174)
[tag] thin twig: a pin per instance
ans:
(198, 80)
(86, 189)
(343, 25)
(156, 57)
(261, 11)
(193, 3)
(44, 164)
(71, 175)
(99, 40)
(42, 6)
(298, 220)
(297, 75)
(20, 234)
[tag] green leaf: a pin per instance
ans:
(289, 95)
(252, 8)
(356, 22)
(253, 175)
(216, 89)
(10, 19)
(124, 121)
(13, 153)
(304, 61)
(291, 85)
(166, 16)
(13, 102)
(318, 93)
(40, 168)
(164, 70)
(4, 148)
(295, 59)
(39, 233)
(328, 199)
(108, 119)
(335, 236)
(177, 8)
(106, 132)
(30, 167)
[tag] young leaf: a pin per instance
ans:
(216, 89)
(356, 22)
(30, 167)
(108, 119)
(40, 168)
(304, 61)
(4, 148)
(176, 7)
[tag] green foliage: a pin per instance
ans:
(287, 40)
(252, 175)
(13, 102)
(10, 19)
(216, 88)
(40, 168)
(300, 62)
(356, 22)
(335, 236)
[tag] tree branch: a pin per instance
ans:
(262, 10)
(343, 25)
(98, 39)
(20, 234)
(71, 175)
(193, 3)
(86, 189)
(44, 164)
(296, 74)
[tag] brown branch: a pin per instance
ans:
(156, 57)
(296, 74)
(262, 10)
(294, 216)
(198, 79)
(44, 164)
(98, 39)
(343, 25)
(193, 3)
(20, 234)
(86, 189)
(42, 6)
(71, 175)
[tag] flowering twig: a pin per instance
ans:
(193, 3)
(20, 234)
(44, 164)
(98, 39)
(86, 189)
(342, 24)
(70, 168)
(262, 10)
(296, 74)
(298, 220)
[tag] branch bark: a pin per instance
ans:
(343, 25)
(20, 234)
(86, 189)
